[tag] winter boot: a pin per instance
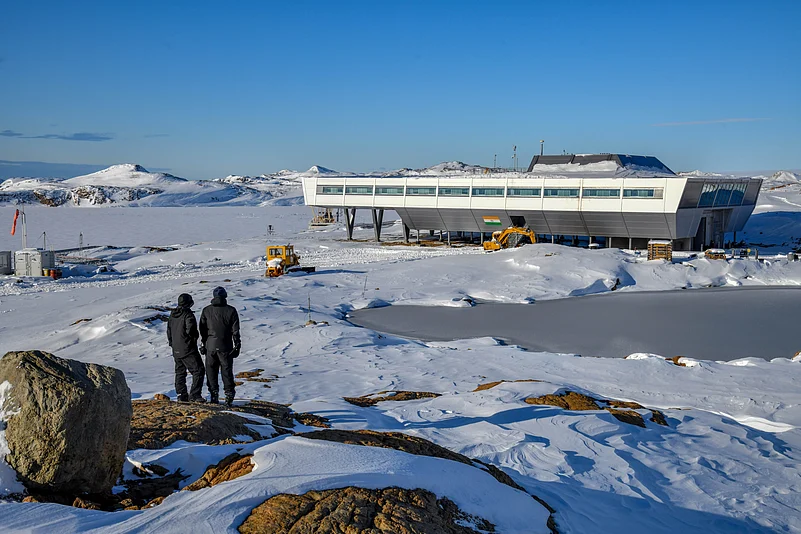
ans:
(197, 399)
(183, 398)
(229, 400)
(214, 398)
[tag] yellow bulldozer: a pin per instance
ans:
(512, 237)
(282, 259)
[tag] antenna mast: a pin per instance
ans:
(24, 230)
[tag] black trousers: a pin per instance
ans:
(218, 362)
(194, 364)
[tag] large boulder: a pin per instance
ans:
(353, 510)
(70, 422)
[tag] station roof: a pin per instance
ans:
(597, 162)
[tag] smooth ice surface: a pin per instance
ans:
(708, 324)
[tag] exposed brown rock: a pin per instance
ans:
(249, 374)
(490, 385)
(388, 440)
(85, 503)
(627, 416)
(70, 422)
(280, 414)
(675, 361)
(158, 317)
(624, 411)
(157, 424)
(354, 510)
(310, 419)
(161, 396)
(370, 400)
(231, 467)
(624, 405)
(658, 418)
(155, 502)
(569, 400)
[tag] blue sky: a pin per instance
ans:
(207, 89)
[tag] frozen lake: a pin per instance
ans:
(705, 324)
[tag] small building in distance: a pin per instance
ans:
(622, 200)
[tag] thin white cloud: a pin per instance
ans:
(714, 121)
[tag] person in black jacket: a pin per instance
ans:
(219, 334)
(182, 335)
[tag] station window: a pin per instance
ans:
(518, 192)
(488, 191)
(562, 193)
(421, 191)
(724, 194)
(650, 192)
(738, 194)
(708, 193)
(389, 190)
(359, 190)
(594, 192)
(330, 189)
(454, 191)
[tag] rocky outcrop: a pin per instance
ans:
(358, 510)
(623, 411)
(373, 399)
(70, 422)
(388, 440)
(232, 466)
(490, 385)
(158, 423)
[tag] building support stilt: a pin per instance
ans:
(350, 221)
(406, 233)
(378, 220)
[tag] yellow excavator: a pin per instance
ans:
(512, 237)
(282, 259)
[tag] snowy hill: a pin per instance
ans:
(125, 175)
(133, 185)
(317, 169)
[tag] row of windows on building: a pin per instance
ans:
(535, 192)
(716, 194)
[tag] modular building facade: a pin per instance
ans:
(692, 212)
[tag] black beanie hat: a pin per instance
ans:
(185, 300)
(220, 292)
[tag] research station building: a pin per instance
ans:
(616, 200)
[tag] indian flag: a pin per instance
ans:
(492, 221)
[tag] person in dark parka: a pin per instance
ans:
(219, 334)
(182, 335)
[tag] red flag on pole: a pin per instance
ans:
(14, 226)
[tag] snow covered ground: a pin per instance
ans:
(728, 461)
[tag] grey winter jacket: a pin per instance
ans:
(182, 332)
(219, 326)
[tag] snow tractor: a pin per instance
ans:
(512, 237)
(282, 259)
